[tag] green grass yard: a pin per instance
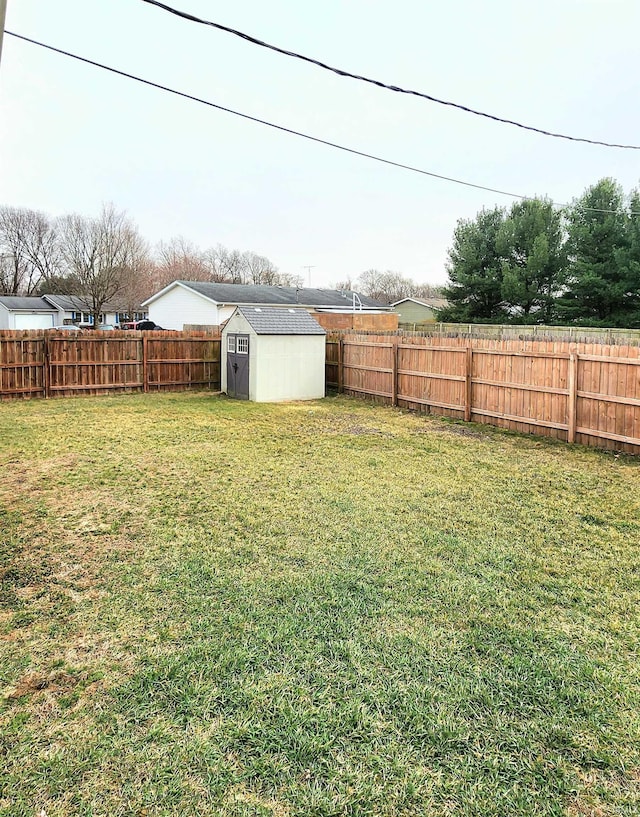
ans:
(211, 607)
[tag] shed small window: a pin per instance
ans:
(243, 346)
(231, 343)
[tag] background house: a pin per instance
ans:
(57, 310)
(197, 304)
(26, 313)
(415, 311)
(73, 309)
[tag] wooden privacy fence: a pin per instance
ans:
(584, 393)
(47, 364)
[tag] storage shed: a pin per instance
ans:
(273, 354)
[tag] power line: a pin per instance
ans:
(342, 73)
(284, 129)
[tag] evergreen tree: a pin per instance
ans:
(474, 291)
(531, 244)
(633, 260)
(602, 288)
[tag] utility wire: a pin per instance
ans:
(342, 73)
(290, 130)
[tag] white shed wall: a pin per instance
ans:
(4, 318)
(288, 367)
(179, 306)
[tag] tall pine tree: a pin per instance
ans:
(474, 291)
(599, 285)
(531, 243)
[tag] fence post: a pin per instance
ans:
(145, 366)
(468, 372)
(46, 366)
(394, 372)
(340, 365)
(572, 399)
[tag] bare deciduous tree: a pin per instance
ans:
(99, 252)
(231, 264)
(179, 260)
(259, 270)
(346, 285)
(388, 287)
(29, 251)
(138, 281)
(288, 279)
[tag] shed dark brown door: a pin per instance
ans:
(238, 366)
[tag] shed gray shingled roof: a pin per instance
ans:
(14, 302)
(276, 321)
(279, 296)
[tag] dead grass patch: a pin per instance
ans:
(32, 683)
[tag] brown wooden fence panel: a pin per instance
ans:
(332, 363)
(22, 370)
(178, 362)
(61, 364)
(368, 367)
(586, 393)
(93, 363)
(608, 397)
(432, 375)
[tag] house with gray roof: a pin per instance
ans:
(18, 312)
(26, 313)
(201, 303)
(74, 309)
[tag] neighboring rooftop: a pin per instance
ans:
(32, 304)
(277, 321)
(434, 303)
(278, 296)
(76, 303)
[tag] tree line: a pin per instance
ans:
(535, 263)
(105, 259)
(388, 286)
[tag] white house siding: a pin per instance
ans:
(288, 367)
(180, 306)
(225, 312)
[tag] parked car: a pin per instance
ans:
(66, 328)
(106, 327)
(140, 325)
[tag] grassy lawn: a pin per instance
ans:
(211, 607)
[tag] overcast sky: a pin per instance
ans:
(73, 136)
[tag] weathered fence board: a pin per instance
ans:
(37, 364)
(586, 393)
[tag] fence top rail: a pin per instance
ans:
(371, 345)
(428, 348)
(633, 361)
(184, 360)
(187, 339)
(103, 337)
(532, 353)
